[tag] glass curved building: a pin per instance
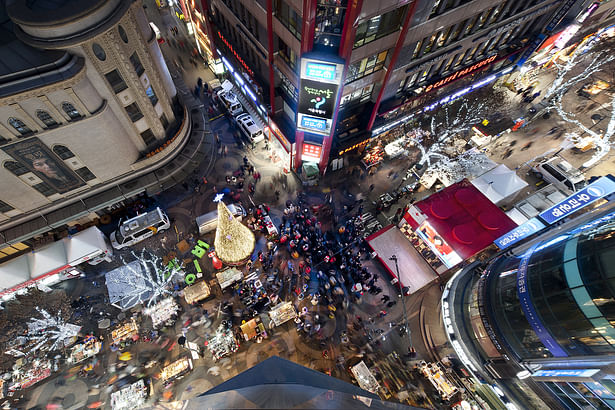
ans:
(539, 320)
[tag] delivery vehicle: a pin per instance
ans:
(209, 221)
(141, 227)
(561, 174)
(228, 98)
(249, 128)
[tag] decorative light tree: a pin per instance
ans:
(50, 329)
(234, 242)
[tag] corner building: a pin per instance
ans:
(88, 111)
(542, 316)
(398, 55)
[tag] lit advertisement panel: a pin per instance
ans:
(520, 232)
(318, 94)
(435, 242)
(566, 373)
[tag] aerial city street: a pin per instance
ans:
(307, 204)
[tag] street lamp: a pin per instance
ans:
(403, 302)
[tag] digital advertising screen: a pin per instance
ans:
(437, 244)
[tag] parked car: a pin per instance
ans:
(561, 174)
(136, 229)
(249, 129)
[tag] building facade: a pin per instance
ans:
(542, 315)
(86, 104)
(398, 55)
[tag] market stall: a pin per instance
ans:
(82, 351)
(373, 156)
(163, 313)
(130, 396)
(282, 313)
(500, 184)
(176, 369)
(365, 378)
(272, 230)
(228, 276)
(29, 373)
(222, 343)
(196, 292)
(253, 329)
(124, 332)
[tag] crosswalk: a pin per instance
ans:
(370, 223)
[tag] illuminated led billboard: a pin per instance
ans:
(318, 92)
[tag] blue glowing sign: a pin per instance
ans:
(566, 373)
(320, 71)
(522, 231)
(313, 123)
(591, 193)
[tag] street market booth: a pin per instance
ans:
(196, 292)
(222, 343)
(28, 373)
(282, 313)
(253, 329)
(176, 369)
(163, 313)
(228, 277)
(82, 351)
(129, 397)
(365, 378)
(125, 332)
(53, 263)
(500, 184)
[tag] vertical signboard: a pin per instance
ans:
(318, 89)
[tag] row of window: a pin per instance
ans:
(360, 95)
(287, 54)
(366, 66)
(467, 27)
(288, 17)
(510, 7)
(458, 60)
(247, 52)
(329, 22)
(44, 117)
(379, 26)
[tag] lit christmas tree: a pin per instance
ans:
(234, 242)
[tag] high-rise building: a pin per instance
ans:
(394, 58)
(539, 319)
(88, 113)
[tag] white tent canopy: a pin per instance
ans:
(88, 242)
(499, 184)
(14, 272)
(449, 171)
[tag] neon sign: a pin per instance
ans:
(312, 123)
(237, 56)
(320, 71)
(311, 152)
(458, 74)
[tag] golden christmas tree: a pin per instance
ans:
(234, 242)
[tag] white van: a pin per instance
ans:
(228, 98)
(249, 128)
(561, 174)
(139, 228)
(209, 221)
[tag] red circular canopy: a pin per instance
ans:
(491, 221)
(464, 233)
(441, 209)
(466, 196)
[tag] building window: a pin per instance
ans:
(85, 174)
(70, 110)
(360, 95)
(19, 126)
(164, 121)
(288, 55)
(151, 95)
(116, 81)
(122, 33)
(16, 168)
(366, 66)
(4, 207)
(3, 140)
(471, 25)
(62, 152)
(44, 189)
(417, 48)
(134, 112)
(136, 63)
(379, 26)
(148, 137)
(288, 17)
(329, 22)
(99, 52)
(46, 118)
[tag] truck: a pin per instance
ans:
(560, 173)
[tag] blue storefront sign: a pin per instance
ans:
(313, 123)
(591, 193)
(320, 71)
(527, 306)
(520, 232)
(565, 373)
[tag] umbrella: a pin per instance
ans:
(125, 356)
(95, 405)
(226, 191)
